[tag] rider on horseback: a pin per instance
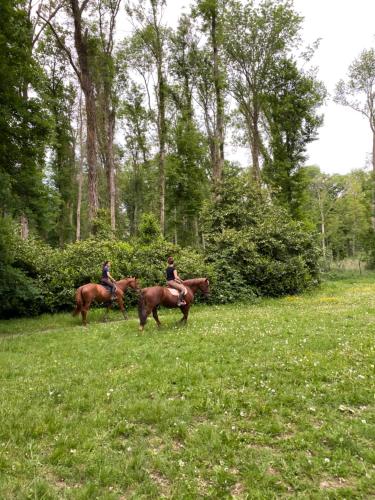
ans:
(107, 279)
(174, 281)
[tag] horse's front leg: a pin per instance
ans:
(185, 312)
(121, 305)
(106, 314)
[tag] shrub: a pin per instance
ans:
(256, 248)
(56, 273)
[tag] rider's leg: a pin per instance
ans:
(180, 287)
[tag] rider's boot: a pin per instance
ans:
(181, 301)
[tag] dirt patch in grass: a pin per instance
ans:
(163, 484)
(238, 491)
(335, 483)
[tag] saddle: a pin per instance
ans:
(107, 287)
(173, 291)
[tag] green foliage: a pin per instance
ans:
(58, 272)
(149, 229)
(23, 127)
(19, 293)
(290, 105)
(101, 225)
(256, 248)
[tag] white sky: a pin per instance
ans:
(346, 27)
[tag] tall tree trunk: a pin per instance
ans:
(81, 45)
(110, 163)
(80, 173)
(253, 138)
(162, 128)
(24, 227)
(219, 125)
(91, 153)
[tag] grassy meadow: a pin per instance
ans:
(268, 400)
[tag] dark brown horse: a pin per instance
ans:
(154, 296)
(86, 294)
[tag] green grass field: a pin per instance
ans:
(269, 400)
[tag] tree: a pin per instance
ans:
(255, 38)
(107, 99)
(212, 78)
(358, 93)
(24, 128)
(136, 122)
(290, 109)
(83, 71)
(187, 164)
(59, 95)
(151, 36)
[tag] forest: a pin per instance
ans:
(116, 137)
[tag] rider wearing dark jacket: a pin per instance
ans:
(107, 279)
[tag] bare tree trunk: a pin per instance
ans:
(91, 153)
(323, 230)
(196, 230)
(110, 166)
(80, 173)
(322, 224)
(24, 227)
(219, 126)
(81, 45)
(253, 138)
(162, 130)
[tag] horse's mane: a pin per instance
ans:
(193, 281)
(130, 278)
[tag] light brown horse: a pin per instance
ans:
(150, 298)
(86, 294)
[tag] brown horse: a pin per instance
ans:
(154, 296)
(86, 294)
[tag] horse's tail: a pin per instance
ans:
(142, 309)
(79, 301)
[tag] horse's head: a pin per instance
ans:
(204, 287)
(125, 283)
(134, 283)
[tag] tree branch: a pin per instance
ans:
(52, 15)
(63, 47)
(83, 6)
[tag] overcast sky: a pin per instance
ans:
(345, 27)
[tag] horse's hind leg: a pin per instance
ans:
(155, 315)
(84, 312)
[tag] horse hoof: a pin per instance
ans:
(141, 328)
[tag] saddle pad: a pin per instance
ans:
(108, 288)
(173, 291)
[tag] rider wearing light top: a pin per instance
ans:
(174, 281)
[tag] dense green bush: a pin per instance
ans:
(58, 272)
(255, 247)
(19, 293)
